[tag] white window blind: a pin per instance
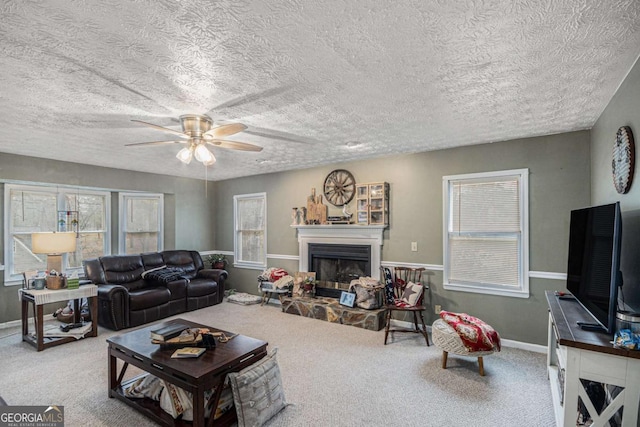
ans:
(486, 232)
(250, 248)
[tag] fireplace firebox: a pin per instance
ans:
(336, 265)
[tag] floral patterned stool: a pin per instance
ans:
(446, 337)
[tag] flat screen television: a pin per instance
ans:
(593, 271)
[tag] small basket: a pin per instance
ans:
(56, 282)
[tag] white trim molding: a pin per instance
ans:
(433, 267)
(338, 234)
(535, 348)
(548, 275)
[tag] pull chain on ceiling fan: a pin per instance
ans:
(198, 132)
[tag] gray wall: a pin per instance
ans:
(622, 111)
(188, 210)
(559, 168)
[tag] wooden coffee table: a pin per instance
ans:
(193, 375)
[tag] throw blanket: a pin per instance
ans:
(283, 282)
(272, 274)
(475, 334)
(165, 275)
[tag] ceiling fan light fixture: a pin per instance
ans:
(185, 155)
(204, 155)
(210, 161)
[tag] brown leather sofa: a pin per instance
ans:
(126, 299)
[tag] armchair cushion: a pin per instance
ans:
(412, 293)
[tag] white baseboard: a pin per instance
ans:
(536, 348)
(13, 323)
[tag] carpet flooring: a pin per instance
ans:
(333, 375)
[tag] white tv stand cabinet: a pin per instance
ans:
(575, 358)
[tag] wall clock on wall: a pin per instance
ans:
(339, 187)
(623, 161)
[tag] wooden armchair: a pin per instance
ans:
(406, 299)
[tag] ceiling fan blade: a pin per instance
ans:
(245, 99)
(234, 145)
(225, 130)
(155, 143)
(282, 136)
(175, 132)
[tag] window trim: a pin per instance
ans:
(122, 222)
(59, 192)
(237, 261)
(522, 291)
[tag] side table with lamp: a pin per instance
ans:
(54, 245)
(45, 296)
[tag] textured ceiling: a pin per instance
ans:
(316, 82)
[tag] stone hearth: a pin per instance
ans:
(330, 310)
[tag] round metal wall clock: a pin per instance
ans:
(339, 187)
(623, 161)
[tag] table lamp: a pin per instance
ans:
(54, 245)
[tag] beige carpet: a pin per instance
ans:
(333, 375)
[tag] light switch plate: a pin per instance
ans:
(414, 246)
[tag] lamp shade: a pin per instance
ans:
(53, 243)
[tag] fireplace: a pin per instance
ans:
(336, 265)
(338, 254)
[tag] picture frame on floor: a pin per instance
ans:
(347, 298)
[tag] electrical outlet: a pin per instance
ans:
(437, 308)
(414, 246)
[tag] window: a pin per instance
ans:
(93, 239)
(141, 222)
(30, 209)
(486, 233)
(250, 243)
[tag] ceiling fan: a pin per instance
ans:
(197, 132)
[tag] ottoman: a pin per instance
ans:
(447, 338)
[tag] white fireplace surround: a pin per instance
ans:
(366, 235)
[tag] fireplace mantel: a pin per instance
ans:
(341, 234)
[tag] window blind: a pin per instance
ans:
(485, 232)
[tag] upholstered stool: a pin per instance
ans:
(445, 337)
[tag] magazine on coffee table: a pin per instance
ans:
(188, 352)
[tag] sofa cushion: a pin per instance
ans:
(148, 297)
(152, 260)
(120, 269)
(178, 289)
(135, 285)
(200, 287)
(181, 259)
